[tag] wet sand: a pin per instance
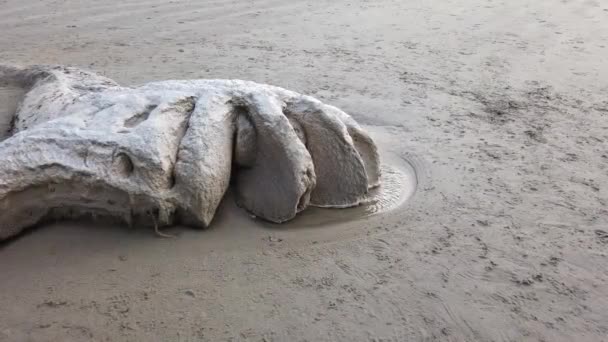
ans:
(493, 226)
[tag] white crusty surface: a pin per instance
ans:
(165, 152)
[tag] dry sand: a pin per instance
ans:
(500, 106)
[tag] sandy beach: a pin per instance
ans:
(492, 123)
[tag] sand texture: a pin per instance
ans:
(491, 121)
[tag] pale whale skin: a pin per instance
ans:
(166, 152)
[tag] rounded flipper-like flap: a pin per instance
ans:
(277, 185)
